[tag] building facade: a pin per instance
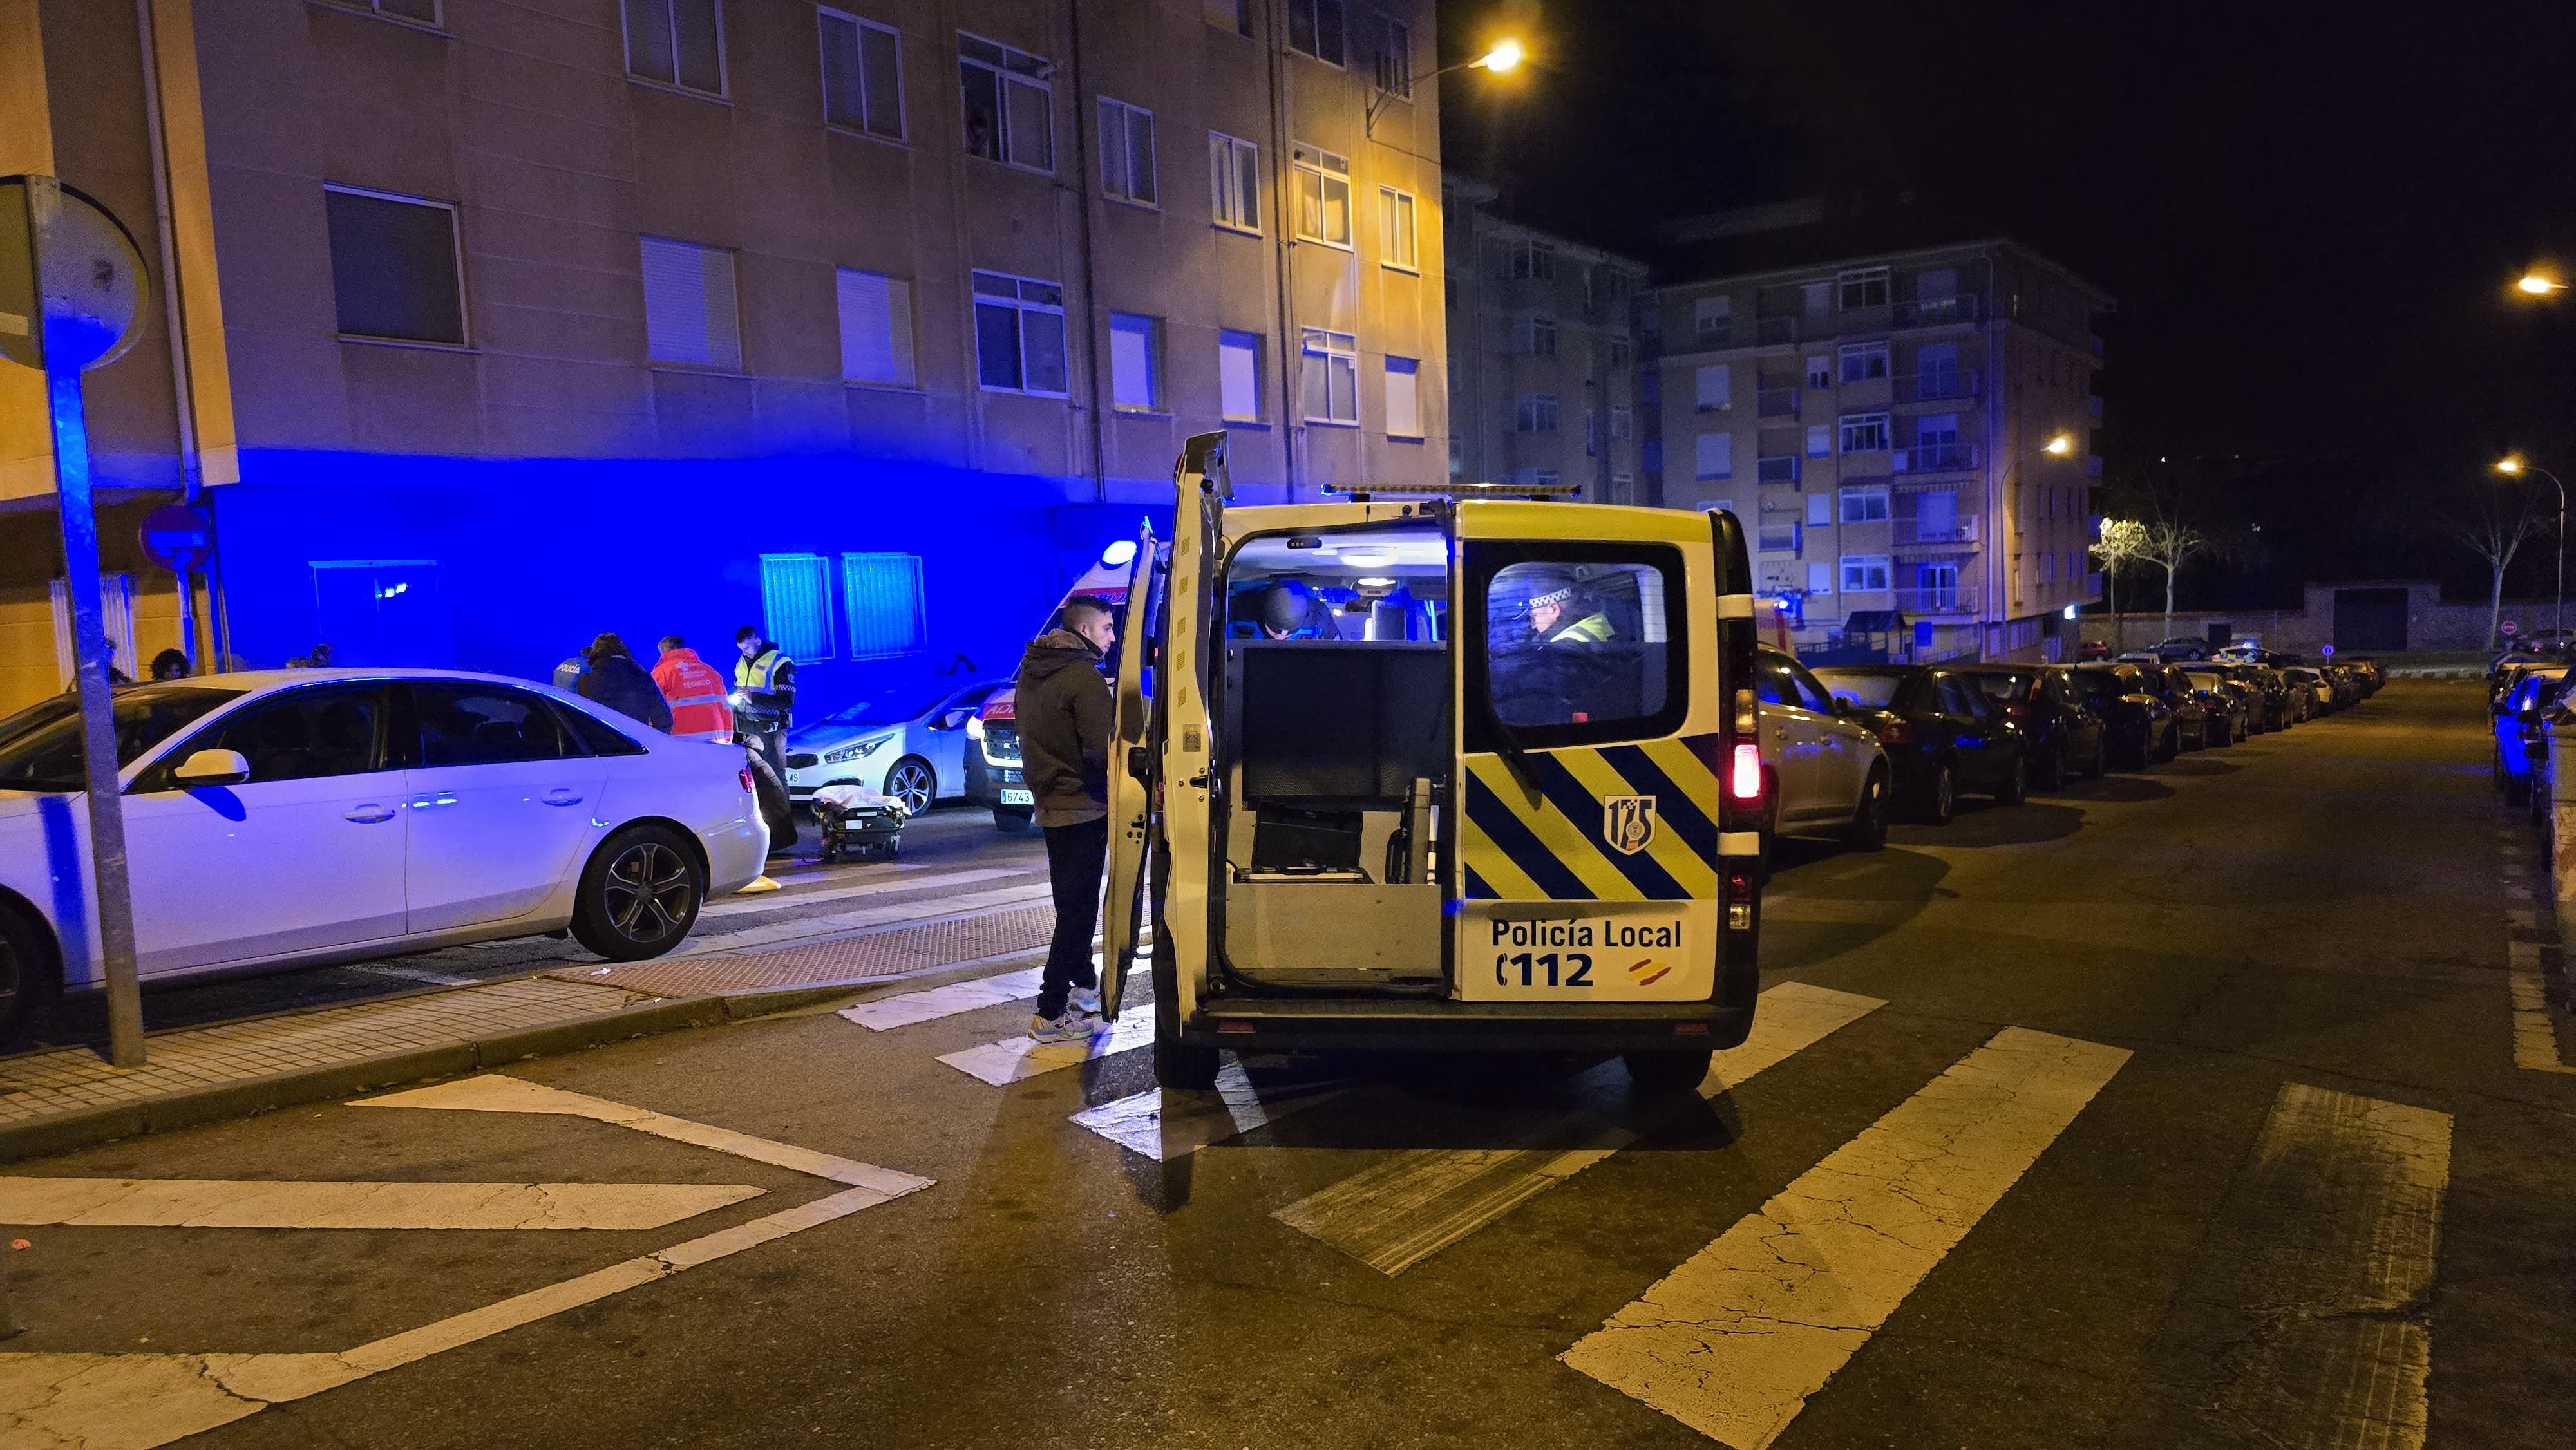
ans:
(1882, 425)
(496, 325)
(1542, 354)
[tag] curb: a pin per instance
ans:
(65, 1132)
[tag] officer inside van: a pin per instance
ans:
(1289, 610)
(1549, 659)
(1560, 612)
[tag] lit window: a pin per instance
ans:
(1332, 376)
(690, 313)
(1127, 152)
(1397, 247)
(882, 596)
(1863, 361)
(1315, 27)
(1234, 175)
(1135, 363)
(1323, 197)
(862, 76)
(1238, 370)
(1019, 334)
(1864, 505)
(1864, 433)
(394, 267)
(876, 328)
(1403, 397)
(676, 42)
(1009, 107)
(796, 604)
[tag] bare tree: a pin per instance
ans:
(2169, 546)
(2123, 542)
(2492, 523)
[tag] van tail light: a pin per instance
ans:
(747, 782)
(1744, 774)
(1740, 900)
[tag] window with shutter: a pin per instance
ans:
(876, 328)
(1403, 398)
(691, 314)
(1716, 456)
(881, 594)
(796, 604)
(1238, 365)
(1135, 362)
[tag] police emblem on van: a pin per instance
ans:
(1628, 822)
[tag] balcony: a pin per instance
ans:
(1940, 600)
(1936, 311)
(1776, 539)
(1933, 386)
(1935, 458)
(1706, 337)
(1775, 402)
(1918, 534)
(1770, 330)
(1776, 470)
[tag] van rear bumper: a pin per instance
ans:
(1426, 1025)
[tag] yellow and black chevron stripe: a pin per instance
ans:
(1543, 840)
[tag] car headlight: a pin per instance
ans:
(860, 751)
(974, 727)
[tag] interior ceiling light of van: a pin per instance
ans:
(1411, 554)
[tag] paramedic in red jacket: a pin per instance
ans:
(696, 693)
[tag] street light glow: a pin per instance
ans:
(2061, 445)
(2508, 464)
(2539, 286)
(1505, 57)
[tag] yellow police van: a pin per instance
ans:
(1466, 768)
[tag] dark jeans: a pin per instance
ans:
(1075, 856)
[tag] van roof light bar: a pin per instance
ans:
(1535, 492)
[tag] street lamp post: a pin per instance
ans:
(1503, 57)
(2513, 466)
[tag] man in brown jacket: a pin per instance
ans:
(1064, 712)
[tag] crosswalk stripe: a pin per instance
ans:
(1734, 1341)
(1400, 1212)
(2535, 1038)
(501, 1093)
(798, 928)
(1013, 1058)
(223, 1203)
(947, 881)
(2319, 1276)
(932, 1003)
(1164, 1125)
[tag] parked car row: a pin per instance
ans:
(2522, 691)
(1848, 747)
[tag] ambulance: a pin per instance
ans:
(1466, 768)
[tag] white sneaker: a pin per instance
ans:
(1085, 1000)
(1071, 1027)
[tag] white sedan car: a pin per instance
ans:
(290, 817)
(907, 741)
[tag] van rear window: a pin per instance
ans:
(1583, 643)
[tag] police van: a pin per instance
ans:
(1466, 768)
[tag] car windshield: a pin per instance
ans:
(888, 707)
(2005, 687)
(41, 748)
(2097, 684)
(1862, 691)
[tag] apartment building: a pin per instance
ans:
(494, 325)
(1883, 426)
(1542, 354)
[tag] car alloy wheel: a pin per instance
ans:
(911, 783)
(649, 893)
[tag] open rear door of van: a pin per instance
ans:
(1134, 772)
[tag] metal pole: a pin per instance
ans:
(98, 722)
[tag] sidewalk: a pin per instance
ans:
(65, 1098)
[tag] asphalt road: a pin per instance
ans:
(2178, 1109)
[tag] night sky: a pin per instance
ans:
(2309, 214)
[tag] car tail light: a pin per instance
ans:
(1895, 731)
(747, 782)
(1744, 776)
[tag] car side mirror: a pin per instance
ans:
(955, 718)
(210, 768)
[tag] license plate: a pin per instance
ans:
(1624, 952)
(1018, 798)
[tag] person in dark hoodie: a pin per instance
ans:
(1064, 712)
(615, 680)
